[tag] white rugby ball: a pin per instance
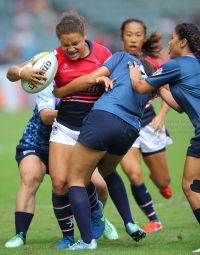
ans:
(47, 62)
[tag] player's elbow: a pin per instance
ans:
(139, 88)
(46, 120)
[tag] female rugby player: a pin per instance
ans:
(153, 138)
(182, 73)
(115, 117)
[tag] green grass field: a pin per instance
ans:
(181, 230)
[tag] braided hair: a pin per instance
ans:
(191, 33)
(153, 45)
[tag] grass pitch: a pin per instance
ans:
(181, 230)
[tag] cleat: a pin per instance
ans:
(80, 245)
(135, 232)
(153, 226)
(110, 232)
(65, 242)
(167, 193)
(197, 250)
(98, 223)
(16, 241)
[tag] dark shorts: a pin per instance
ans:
(104, 131)
(194, 148)
(24, 151)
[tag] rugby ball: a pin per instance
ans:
(47, 62)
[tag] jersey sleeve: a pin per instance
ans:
(106, 54)
(113, 61)
(168, 73)
(45, 99)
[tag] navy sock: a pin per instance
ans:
(82, 212)
(22, 222)
(63, 213)
(117, 192)
(93, 197)
(197, 214)
(144, 200)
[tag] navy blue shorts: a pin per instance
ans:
(23, 151)
(104, 131)
(194, 148)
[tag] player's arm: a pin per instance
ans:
(26, 72)
(83, 82)
(139, 84)
(48, 116)
(168, 98)
(158, 121)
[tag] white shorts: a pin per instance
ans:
(62, 134)
(149, 141)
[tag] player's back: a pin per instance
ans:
(186, 88)
(123, 100)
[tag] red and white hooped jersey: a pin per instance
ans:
(68, 70)
(74, 107)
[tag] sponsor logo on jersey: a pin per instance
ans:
(97, 63)
(28, 151)
(45, 101)
(66, 69)
(158, 72)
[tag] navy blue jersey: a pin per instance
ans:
(183, 76)
(37, 134)
(123, 100)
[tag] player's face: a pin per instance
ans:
(74, 45)
(133, 37)
(174, 47)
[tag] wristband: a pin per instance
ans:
(21, 68)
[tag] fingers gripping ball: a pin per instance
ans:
(45, 61)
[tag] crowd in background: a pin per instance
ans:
(29, 29)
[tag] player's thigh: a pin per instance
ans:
(32, 169)
(83, 163)
(131, 161)
(108, 164)
(157, 164)
(59, 160)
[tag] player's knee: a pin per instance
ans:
(162, 181)
(185, 185)
(32, 182)
(135, 177)
(60, 186)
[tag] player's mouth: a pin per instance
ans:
(73, 54)
(132, 48)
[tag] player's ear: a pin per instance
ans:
(121, 38)
(145, 39)
(183, 43)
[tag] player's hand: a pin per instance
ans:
(157, 122)
(106, 81)
(57, 92)
(134, 71)
(33, 75)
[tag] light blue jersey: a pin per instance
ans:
(183, 76)
(123, 101)
(37, 134)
